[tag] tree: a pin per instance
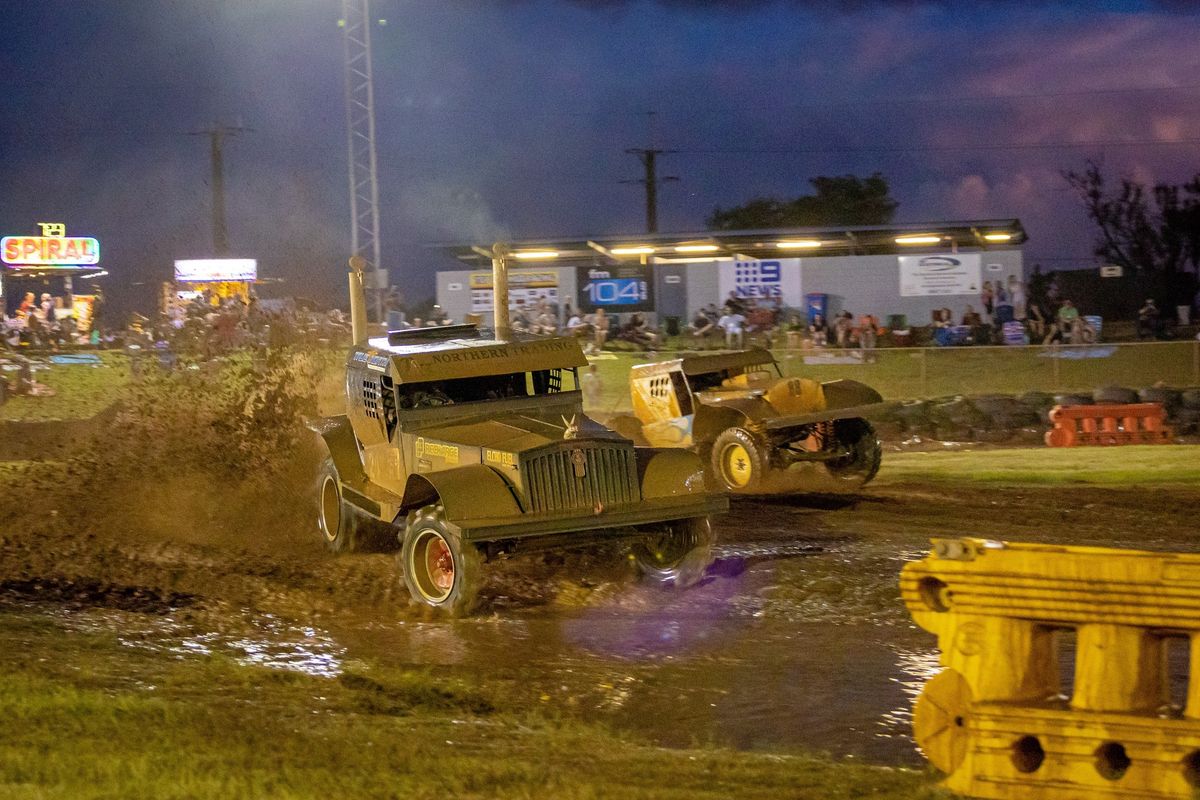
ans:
(1155, 231)
(840, 200)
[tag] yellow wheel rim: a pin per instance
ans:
(735, 463)
(433, 566)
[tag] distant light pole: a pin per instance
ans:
(360, 138)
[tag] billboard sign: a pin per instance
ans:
(49, 251)
(525, 288)
(216, 270)
(762, 281)
(617, 288)
(948, 274)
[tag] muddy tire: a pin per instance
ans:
(866, 452)
(676, 556)
(1114, 395)
(438, 568)
(337, 521)
(740, 461)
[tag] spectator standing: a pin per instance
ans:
(987, 299)
(1019, 298)
(1148, 322)
(592, 387)
(600, 321)
(868, 335)
(1004, 305)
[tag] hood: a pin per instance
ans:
(518, 433)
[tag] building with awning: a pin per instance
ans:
(51, 262)
(889, 271)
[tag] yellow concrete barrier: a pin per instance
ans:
(1002, 720)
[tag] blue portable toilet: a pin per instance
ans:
(817, 303)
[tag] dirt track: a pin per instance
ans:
(796, 640)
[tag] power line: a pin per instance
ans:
(936, 148)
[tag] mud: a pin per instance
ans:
(796, 640)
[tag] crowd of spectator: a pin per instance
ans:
(43, 323)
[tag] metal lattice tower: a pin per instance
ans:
(360, 136)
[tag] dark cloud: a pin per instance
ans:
(853, 6)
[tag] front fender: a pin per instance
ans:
(472, 492)
(343, 447)
(674, 473)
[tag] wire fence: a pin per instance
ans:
(901, 373)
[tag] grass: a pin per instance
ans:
(81, 390)
(1126, 466)
(898, 373)
(88, 718)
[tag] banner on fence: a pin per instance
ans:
(925, 276)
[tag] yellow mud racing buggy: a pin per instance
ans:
(757, 431)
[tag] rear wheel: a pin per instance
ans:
(439, 568)
(740, 461)
(337, 522)
(677, 555)
(865, 452)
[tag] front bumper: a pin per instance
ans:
(645, 512)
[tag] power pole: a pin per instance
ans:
(360, 137)
(220, 231)
(649, 158)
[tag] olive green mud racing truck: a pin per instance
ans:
(466, 446)
(756, 429)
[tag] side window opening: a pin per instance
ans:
(682, 393)
(388, 402)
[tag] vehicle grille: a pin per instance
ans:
(610, 479)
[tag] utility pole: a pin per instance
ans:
(649, 158)
(360, 136)
(220, 231)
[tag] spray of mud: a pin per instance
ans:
(198, 493)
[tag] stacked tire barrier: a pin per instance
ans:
(1023, 418)
(1135, 423)
(996, 720)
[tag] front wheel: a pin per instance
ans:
(865, 452)
(740, 461)
(439, 568)
(677, 555)
(336, 520)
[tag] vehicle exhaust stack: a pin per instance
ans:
(358, 300)
(500, 291)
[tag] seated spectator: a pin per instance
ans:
(734, 324)
(578, 326)
(702, 326)
(1063, 325)
(1149, 325)
(760, 321)
(638, 331)
(971, 318)
(868, 333)
(818, 331)
(843, 328)
(1036, 320)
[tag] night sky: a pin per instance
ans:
(510, 118)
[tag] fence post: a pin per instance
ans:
(925, 373)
